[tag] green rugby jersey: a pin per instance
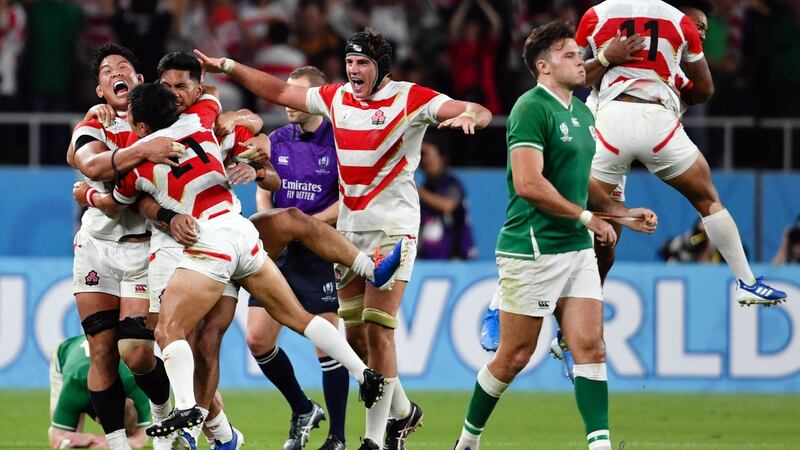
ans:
(72, 361)
(565, 135)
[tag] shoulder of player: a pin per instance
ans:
(534, 100)
(579, 105)
(282, 134)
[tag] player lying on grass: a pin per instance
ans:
(70, 403)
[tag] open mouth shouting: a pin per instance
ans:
(359, 86)
(120, 88)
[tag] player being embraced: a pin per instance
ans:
(638, 115)
(545, 257)
(227, 248)
(378, 125)
(69, 400)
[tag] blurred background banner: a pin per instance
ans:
(668, 328)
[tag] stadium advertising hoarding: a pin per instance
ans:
(668, 328)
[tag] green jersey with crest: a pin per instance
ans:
(565, 135)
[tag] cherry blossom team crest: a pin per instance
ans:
(378, 118)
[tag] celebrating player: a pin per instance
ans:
(638, 117)
(378, 125)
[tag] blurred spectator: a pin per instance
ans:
(276, 57)
(784, 58)
(12, 39)
(225, 38)
(474, 36)
(314, 36)
(789, 251)
(691, 246)
(256, 15)
(333, 66)
(143, 28)
(53, 27)
(445, 231)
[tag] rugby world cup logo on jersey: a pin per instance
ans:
(565, 132)
(324, 161)
(378, 118)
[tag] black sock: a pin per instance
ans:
(155, 384)
(278, 369)
(335, 384)
(109, 405)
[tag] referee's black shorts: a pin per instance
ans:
(312, 280)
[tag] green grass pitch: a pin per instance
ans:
(522, 421)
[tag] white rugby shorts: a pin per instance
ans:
(367, 242)
(533, 287)
(649, 133)
(227, 248)
(163, 263)
(110, 267)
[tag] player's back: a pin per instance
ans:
(670, 39)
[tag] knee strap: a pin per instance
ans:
(378, 317)
(132, 333)
(100, 321)
(350, 310)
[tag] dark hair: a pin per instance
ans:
(153, 104)
(181, 61)
(107, 50)
(375, 47)
(314, 75)
(542, 39)
(706, 6)
(278, 32)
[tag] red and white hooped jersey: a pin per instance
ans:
(94, 221)
(198, 186)
(670, 38)
(378, 148)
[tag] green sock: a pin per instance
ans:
(592, 397)
(487, 392)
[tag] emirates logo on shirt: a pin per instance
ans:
(378, 118)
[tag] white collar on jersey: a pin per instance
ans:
(546, 89)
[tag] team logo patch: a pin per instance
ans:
(575, 122)
(544, 304)
(565, 132)
(283, 160)
(378, 118)
(92, 278)
(140, 288)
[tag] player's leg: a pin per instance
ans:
(186, 300)
(335, 389)
(206, 356)
(279, 227)
(350, 290)
(268, 285)
(687, 171)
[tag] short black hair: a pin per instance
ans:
(181, 61)
(106, 50)
(153, 104)
(542, 39)
(703, 5)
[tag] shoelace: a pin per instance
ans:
(377, 257)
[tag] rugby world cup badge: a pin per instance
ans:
(565, 132)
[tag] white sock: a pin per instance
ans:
(364, 266)
(118, 440)
(468, 440)
(722, 231)
(160, 412)
(378, 415)
(179, 364)
(220, 427)
(327, 338)
(599, 440)
(401, 405)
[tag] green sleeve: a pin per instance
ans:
(72, 402)
(527, 125)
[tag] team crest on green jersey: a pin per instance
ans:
(565, 132)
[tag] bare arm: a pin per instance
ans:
(180, 226)
(529, 183)
(464, 115)
(229, 120)
(438, 202)
(457, 21)
(617, 52)
(700, 75)
(93, 159)
(601, 201)
(263, 199)
(72, 439)
(330, 214)
(491, 15)
(103, 202)
(263, 85)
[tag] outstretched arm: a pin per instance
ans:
(465, 115)
(86, 195)
(642, 220)
(271, 89)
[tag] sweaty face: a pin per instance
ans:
(565, 63)
(116, 77)
(700, 21)
(298, 117)
(361, 73)
(186, 90)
